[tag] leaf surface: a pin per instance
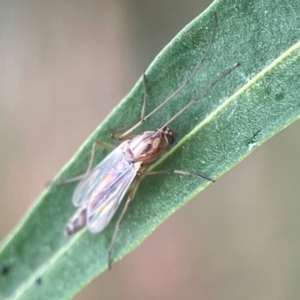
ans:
(245, 109)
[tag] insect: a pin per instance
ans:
(102, 188)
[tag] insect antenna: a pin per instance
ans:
(142, 120)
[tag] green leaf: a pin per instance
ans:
(239, 114)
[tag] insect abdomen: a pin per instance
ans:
(77, 222)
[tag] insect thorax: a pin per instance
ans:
(149, 144)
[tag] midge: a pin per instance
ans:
(102, 188)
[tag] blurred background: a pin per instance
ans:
(64, 66)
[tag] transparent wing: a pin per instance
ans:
(102, 190)
(96, 178)
(105, 203)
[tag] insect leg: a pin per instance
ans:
(113, 239)
(122, 137)
(94, 149)
(79, 177)
(201, 94)
(183, 172)
(184, 84)
(117, 138)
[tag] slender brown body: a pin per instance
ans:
(102, 188)
(137, 152)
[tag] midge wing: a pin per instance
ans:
(102, 190)
(104, 202)
(97, 178)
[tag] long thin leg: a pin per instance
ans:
(64, 181)
(114, 135)
(94, 149)
(142, 120)
(117, 138)
(132, 194)
(200, 95)
(170, 171)
(129, 199)
(79, 177)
